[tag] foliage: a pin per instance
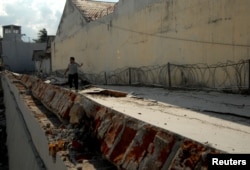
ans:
(42, 36)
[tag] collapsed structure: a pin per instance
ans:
(60, 129)
(67, 130)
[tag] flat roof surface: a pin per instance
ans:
(212, 118)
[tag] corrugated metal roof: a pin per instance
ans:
(93, 10)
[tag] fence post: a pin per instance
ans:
(129, 74)
(105, 77)
(169, 77)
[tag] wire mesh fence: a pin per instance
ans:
(229, 76)
(234, 76)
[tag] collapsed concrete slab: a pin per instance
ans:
(87, 125)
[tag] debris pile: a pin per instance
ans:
(93, 135)
(69, 132)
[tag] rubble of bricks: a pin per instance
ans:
(125, 142)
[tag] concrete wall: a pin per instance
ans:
(43, 65)
(26, 140)
(126, 142)
(142, 33)
(17, 55)
(71, 22)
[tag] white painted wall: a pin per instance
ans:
(43, 65)
(155, 32)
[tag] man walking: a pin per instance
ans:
(73, 72)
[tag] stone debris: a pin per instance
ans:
(92, 135)
(56, 80)
(76, 113)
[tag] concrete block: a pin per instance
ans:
(90, 107)
(103, 121)
(38, 89)
(48, 96)
(123, 140)
(41, 92)
(24, 78)
(191, 155)
(112, 134)
(76, 113)
(34, 88)
(55, 102)
(60, 104)
(54, 98)
(158, 151)
(27, 81)
(65, 103)
(103, 127)
(139, 147)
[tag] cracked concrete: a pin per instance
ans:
(144, 129)
(183, 112)
(217, 102)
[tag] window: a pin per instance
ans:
(16, 31)
(7, 30)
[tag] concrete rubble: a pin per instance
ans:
(58, 78)
(103, 128)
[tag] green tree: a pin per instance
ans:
(42, 36)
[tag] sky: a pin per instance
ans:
(33, 15)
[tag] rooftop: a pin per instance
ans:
(93, 10)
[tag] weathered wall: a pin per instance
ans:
(71, 21)
(43, 65)
(17, 55)
(26, 140)
(153, 32)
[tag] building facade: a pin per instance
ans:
(17, 54)
(154, 32)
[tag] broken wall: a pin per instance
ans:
(26, 140)
(43, 65)
(126, 142)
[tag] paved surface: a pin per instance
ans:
(213, 119)
(216, 119)
(216, 102)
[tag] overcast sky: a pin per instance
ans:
(32, 15)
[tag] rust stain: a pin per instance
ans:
(138, 149)
(122, 141)
(121, 147)
(55, 147)
(189, 155)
